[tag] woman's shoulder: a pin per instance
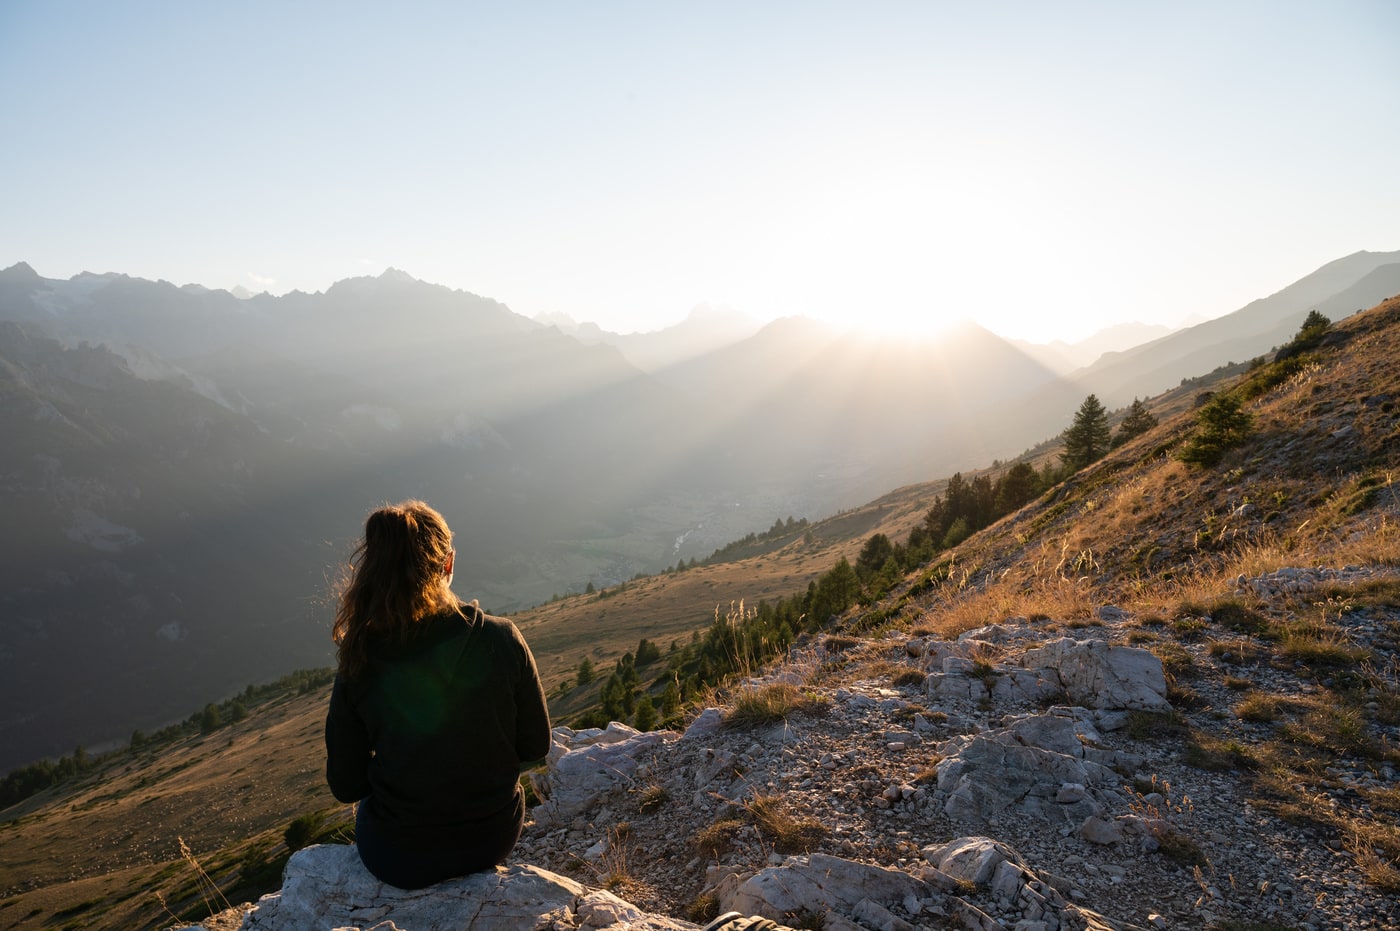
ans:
(468, 620)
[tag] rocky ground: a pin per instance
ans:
(1057, 742)
(1109, 772)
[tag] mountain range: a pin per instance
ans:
(186, 469)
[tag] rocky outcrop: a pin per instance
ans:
(1097, 675)
(851, 896)
(834, 888)
(586, 766)
(1046, 765)
(328, 887)
(1091, 673)
(1035, 903)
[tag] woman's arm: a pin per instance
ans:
(347, 748)
(532, 734)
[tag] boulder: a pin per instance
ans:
(328, 887)
(578, 780)
(1045, 764)
(1017, 889)
(969, 859)
(1097, 675)
(819, 883)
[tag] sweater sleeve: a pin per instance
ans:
(532, 733)
(347, 747)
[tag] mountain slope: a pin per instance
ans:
(1337, 288)
(131, 510)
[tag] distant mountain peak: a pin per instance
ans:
(19, 272)
(397, 275)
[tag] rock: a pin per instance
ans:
(1097, 675)
(327, 886)
(1069, 793)
(706, 724)
(1026, 764)
(580, 779)
(817, 882)
(875, 916)
(1111, 614)
(1097, 831)
(969, 859)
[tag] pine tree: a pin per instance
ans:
(671, 700)
(1137, 422)
(647, 652)
(1314, 328)
(1088, 437)
(646, 714)
(1223, 425)
(585, 671)
(1018, 485)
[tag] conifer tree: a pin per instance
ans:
(1087, 439)
(1137, 422)
(1223, 425)
(646, 714)
(647, 652)
(671, 700)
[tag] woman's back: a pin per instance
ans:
(449, 715)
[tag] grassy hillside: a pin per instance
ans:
(1313, 483)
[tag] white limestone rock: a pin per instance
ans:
(581, 779)
(819, 882)
(1097, 675)
(327, 886)
(1027, 763)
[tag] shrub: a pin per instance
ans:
(1235, 616)
(653, 797)
(715, 840)
(1221, 426)
(301, 831)
(1259, 708)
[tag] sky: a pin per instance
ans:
(1044, 169)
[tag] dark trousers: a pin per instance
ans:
(412, 863)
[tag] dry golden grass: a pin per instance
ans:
(1259, 707)
(1058, 597)
(787, 833)
(114, 838)
(770, 703)
(715, 840)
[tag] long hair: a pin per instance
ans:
(396, 576)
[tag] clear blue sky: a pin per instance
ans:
(1044, 168)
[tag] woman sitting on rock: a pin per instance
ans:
(435, 706)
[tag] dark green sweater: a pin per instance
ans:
(431, 736)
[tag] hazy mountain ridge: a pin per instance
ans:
(1062, 357)
(1337, 289)
(704, 329)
